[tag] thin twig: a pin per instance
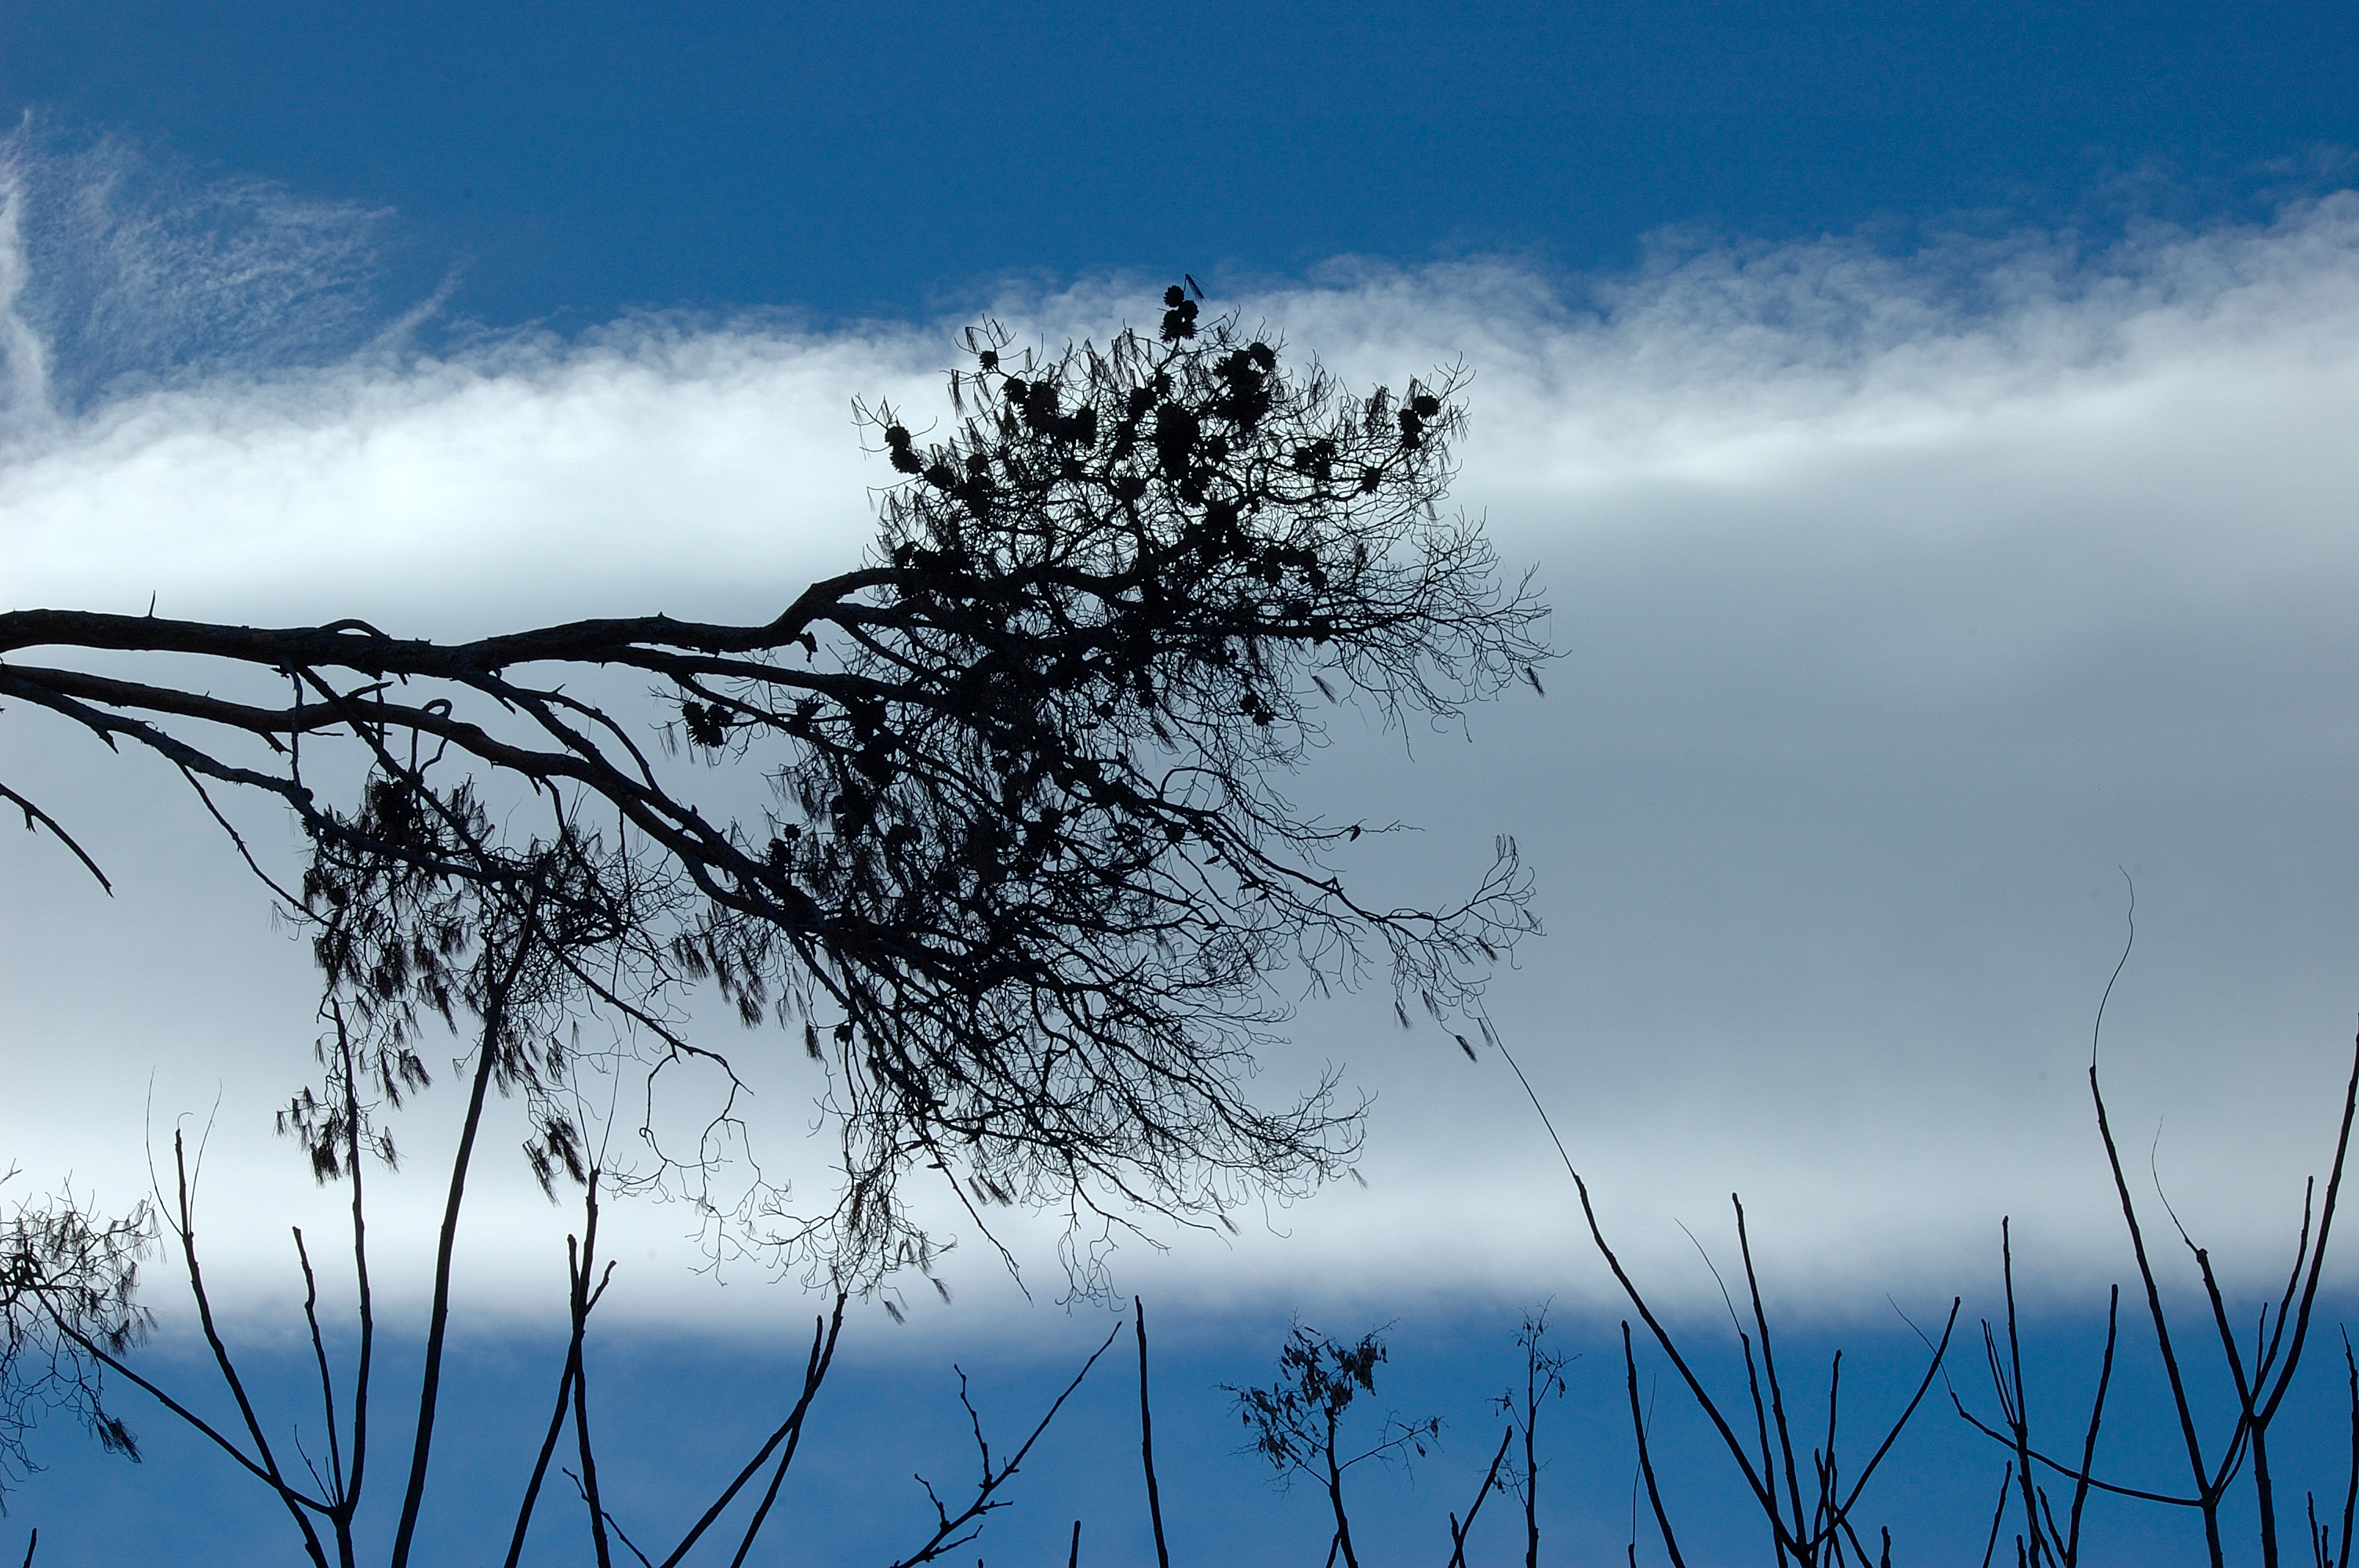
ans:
(496, 1023)
(946, 1535)
(295, 1502)
(35, 813)
(1459, 1533)
(814, 1373)
(1998, 1514)
(2096, 1418)
(1646, 1458)
(822, 1355)
(1145, 1442)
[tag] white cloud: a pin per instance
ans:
(1903, 599)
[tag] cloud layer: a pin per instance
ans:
(1903, 599)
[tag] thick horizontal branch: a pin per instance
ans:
(355, 645)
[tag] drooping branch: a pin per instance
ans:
(69, 1290)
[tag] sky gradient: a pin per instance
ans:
(1933, 437)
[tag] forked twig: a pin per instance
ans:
(953, 1530)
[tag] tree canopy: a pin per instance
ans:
(1027, 884)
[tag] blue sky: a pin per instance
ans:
(576, 161)
(1931, 428)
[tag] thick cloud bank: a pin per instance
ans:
(1904, 599)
